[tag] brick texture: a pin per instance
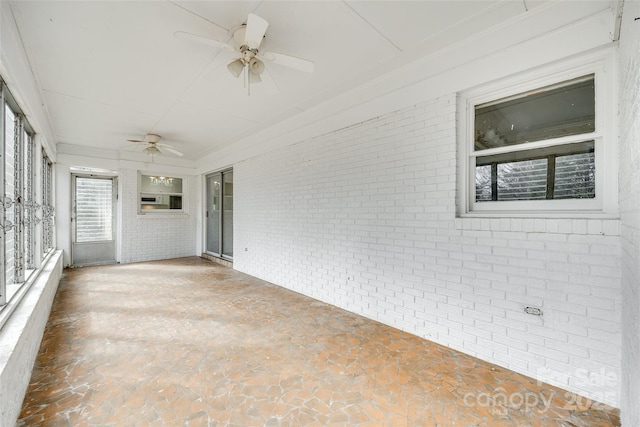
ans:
(155, 236)
(364, 218)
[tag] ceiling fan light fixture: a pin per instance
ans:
(235, 67)
(151, 150)
(256, 66)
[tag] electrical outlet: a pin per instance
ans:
(535, 311)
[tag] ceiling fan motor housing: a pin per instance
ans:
(153, 138)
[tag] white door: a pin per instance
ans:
(93, 220)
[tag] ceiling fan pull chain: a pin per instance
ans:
(244, 78)
(247, 72)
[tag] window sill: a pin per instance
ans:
(164, 215)
(16, 292)
(587, 224)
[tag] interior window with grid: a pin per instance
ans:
(537, 145)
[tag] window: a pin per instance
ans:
(18, 208)
(160, 194)
(30, 204)
(94, 209)
(47, 205)
(538, 147)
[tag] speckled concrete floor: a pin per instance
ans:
(188, 342)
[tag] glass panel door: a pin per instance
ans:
(93, 219)
(227, 214)
(219, 214)
(214, 191)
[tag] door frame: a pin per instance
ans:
(114, 211)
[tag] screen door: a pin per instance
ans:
(93, 220)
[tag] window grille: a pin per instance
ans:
(18, 215)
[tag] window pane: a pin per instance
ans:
(160, 193)
(558, 172)
(559, 110)
(28, 201)
(575, 177)
(9, 191)
(227, 214)
(94, 209)
(483, 183)
(214, 202)
(47, 205)
(160, 184)
(525, 180)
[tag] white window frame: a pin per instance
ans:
(21, 200)
(47, 201)
(185, 192)
(602, 66)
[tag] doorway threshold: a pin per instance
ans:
(218, 260)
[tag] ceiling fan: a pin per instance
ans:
(152, 145)
(248, 38)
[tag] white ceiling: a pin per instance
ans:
(113, 70)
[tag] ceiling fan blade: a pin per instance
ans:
(171, 150)
(162, 144)
(135, 140)
(289, 61)
(256, 27)
(203, 40)
(268, 83)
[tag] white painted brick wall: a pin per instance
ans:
(630, 211)
(364, 218)
(150, 237)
